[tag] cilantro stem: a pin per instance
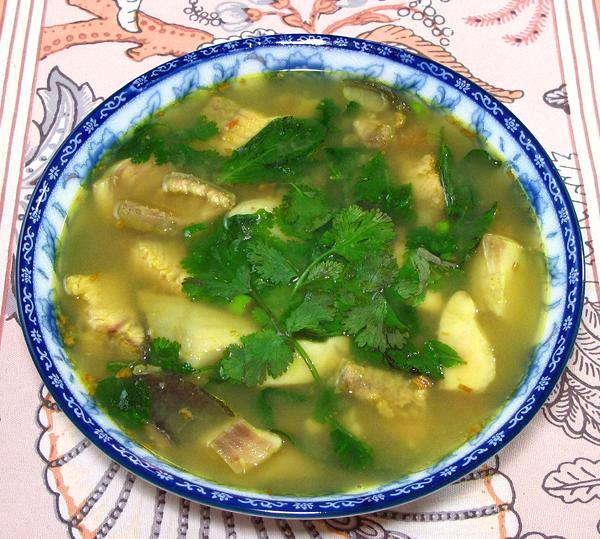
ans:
(305, 273)
(282, 331)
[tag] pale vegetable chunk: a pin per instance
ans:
(144, 218)
(236, 124)
(243, 447)
(432, 303)
(372, 132)
(370, 100)
(460, 330)
(427, 191)
(326, 356)
(202, 330)
(392, 393)
(106, 310)
(255, 204)
(493, 267)
(104, 195)
(161, 261)
(188, 184)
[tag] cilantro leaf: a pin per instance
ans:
(374, 187)
(302, 211)
(430, 361)
(270, 263)
(310, 313)
(326, 405)
(202, 129)
(328, 269)
(262, 353)
(352, 453)
(356, 233)
(281, 141)
(127, 400)
(264, 405)
(165, 354)
(328, 112)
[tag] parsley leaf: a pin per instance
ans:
(356, 232)
(310, 313)
(262, 353)
(430, 361)
(302, 211)
(270, 263)
(127, 400)
(265, 155)
(165, 354)
(352, 453)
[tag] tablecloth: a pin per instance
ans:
(58, 58)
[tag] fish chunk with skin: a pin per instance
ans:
(492, 268)
(106, 309)
(459, 329)
(244, 447)
(392, 393)
(144, 218)
(188, 184)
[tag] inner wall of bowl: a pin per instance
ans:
(432, 82)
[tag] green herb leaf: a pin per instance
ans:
(262, 353)
(327, 404)
(270, 263)
(264, 403)
(328, 112)
(127, 400)
(165, 354)
(352, 453)
(283, 140)
(356, 233)
(302, 211)
(430, 361)
(310, 313)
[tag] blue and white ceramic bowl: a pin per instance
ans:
(65, 173)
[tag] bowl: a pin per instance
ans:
(61, 181)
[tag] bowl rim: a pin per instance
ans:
(301, 507)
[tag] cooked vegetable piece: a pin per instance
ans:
(253, 205)
(160, 261)
(367, 98)
(106, 308)
(392, 393)
(244, 447)
(104, 195)
(460, 330)
(428, 194)
(188, 184)
(203, 331)
(373, 132)
(144, 218)
(326, 356)
(492, 269)
(237, 125)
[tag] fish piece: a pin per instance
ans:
(243, 447)
(188, 184)
(161, 261)
(107, 310)
(202, 330)
(372, 132)
(427, 190)
(492, 269)
(459, 329)
(367, 98)
(104, 195)
(237, 125)
(326, 356)
(144, 218)
(393, 393)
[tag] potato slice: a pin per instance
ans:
(202, 330)
(326, 356)
(492, 269)
(460, 330)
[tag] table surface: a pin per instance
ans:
(58, 58)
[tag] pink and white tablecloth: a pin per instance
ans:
(58, 58)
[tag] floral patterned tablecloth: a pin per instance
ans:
(58, 58)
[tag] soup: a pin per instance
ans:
(301, 284)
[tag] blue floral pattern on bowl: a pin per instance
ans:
(164, 84)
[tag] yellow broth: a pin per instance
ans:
(94, 243)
